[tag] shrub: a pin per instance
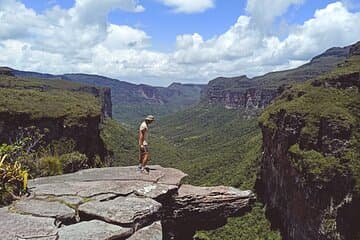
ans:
(13, 181)
(72, 162)
(50, 165)
(59, 147)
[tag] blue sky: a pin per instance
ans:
(163, 25)
(160, 41)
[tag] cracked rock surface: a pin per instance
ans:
(44, 208)
(94, 230)
(152, 232)
(118, 203)
(126, 211)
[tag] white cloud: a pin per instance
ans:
(95, 12)
(244, 49)
(189, 6)
(263, 12)
(331, 26)
(74, 40)
(121, 36)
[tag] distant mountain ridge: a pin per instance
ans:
(256, 93)
(131, 101)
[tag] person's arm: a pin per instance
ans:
(141, 137)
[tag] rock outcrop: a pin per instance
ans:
(237, 93)
(120, 203)
(86, 134)
(78, 120)
(104, 94)
(309, 176)
(6, 71)
(251, 94)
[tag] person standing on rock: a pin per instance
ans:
(143, 143)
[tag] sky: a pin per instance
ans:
(158, 42)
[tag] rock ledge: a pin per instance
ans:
(119, 203)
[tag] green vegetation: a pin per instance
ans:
(50, 166)
(132, 101)
(13, 177)
(328, 108)
(26, 157)
(45, 102)
(253, 225)
(73, 161)
(217, 146)
(41, 98)
(314, 165)
(121, 141)
(41, 159)
(214, 146)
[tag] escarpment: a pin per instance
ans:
(120, 203)
(254, 94)
(310, 168)
(58, 109)
(237, 93)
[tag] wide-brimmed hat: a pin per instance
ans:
(150, 118)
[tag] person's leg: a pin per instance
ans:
(145, 159)
(146, 156)
(140, 157)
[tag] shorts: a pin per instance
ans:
(144, 150)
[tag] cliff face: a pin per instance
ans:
(104, 94)
(86, 133)
(234, 97)
(256, 93)
(63, 109)
(309, 177)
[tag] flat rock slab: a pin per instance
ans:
(226, 201)
(14, 226)
(94, 188)
(94, 230)
(85, 189)
(148, 189)
(157, 174)
(154, 190)
(126, 211)
(218, 191)
(44, 209)
(111, 203)
(152, 232)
